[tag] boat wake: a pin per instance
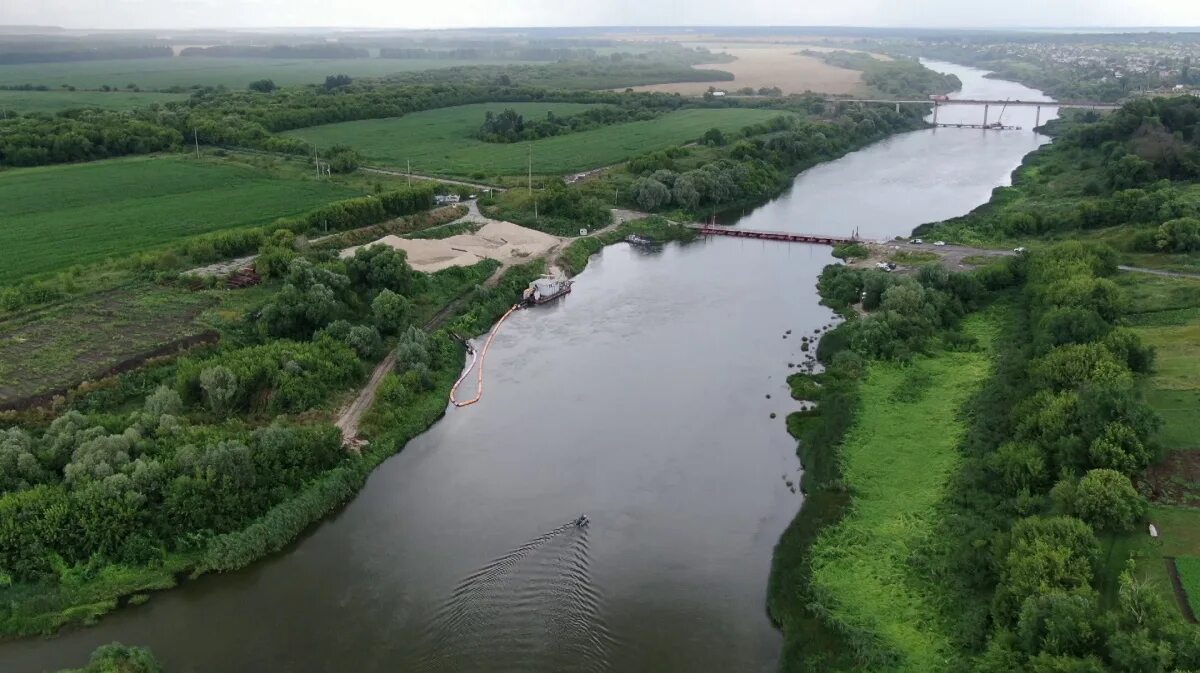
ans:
(532, 609)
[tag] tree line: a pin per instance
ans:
(509, 126)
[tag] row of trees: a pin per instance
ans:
(1057, 435)
(756, 161)
(509, 126)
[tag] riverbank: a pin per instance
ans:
(842, 588)
(83, 597)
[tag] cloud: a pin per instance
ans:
(475, 13)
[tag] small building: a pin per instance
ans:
(443, 199)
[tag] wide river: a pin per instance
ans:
(643, 399)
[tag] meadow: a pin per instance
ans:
(863, 579)
(55, 216)
(20, 102)
(441, 141)
(234, 73)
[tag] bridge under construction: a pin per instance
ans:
(938, 101)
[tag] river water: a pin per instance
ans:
(644, 400)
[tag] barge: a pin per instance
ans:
(543, 290)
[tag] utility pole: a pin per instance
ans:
(196, 138)
(531, 169)
(409, 171)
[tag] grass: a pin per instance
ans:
(53, 101)
(235, 73)
(57, 216)
(1168, 319)
(1178, 537)
(896, 460)
(1189, 576)
(441, 142)
(56, 346)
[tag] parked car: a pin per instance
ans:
(939, 243)
(916, 241)
(1019, 250)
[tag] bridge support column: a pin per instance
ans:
(1038, 119)
(897, 108)
(985, 113)
(936, 107)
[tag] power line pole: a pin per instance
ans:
(410, 171)
(531, 168)
(196, 138)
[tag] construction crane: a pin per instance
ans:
(999, 123)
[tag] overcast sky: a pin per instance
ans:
(451, 13)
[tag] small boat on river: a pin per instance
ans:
(543, 290)
(634, 239)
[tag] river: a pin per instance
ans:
(643, 399)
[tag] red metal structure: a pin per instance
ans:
(822, 239)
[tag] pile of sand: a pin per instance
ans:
(502, 241)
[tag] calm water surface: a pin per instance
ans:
(641, 399)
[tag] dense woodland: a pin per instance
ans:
(899, 77)
(1130, 169)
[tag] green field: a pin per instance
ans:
(53, 101)
(441, 142)
(235, 73)
(897, 458)
(1167, 317)
(55, 216)
(1189, 576)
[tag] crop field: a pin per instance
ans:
(56, 216)
(441, 142)
(52, 101)
(235, 73)
(1178, 538)
(897, 472)
(769, 65)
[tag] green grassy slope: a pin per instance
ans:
(55, 216)
(53, 101)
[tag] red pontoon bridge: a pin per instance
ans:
(786, 236)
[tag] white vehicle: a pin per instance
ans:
(939, 243)
(916, 241)
(1019, 250)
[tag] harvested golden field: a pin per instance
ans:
(770, 65)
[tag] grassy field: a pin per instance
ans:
(441, 142)
(1168, 317)
(235, 73)
(56, 216)
(1178, 537)
(897, 470)
(52, 101)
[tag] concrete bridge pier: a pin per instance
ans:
(935, 111)
(897, 108)
(985, 113)
(1038, 119)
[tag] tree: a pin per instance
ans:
(1060, 623)
(263, 86)
(19, 467)
(220, 387)
(1129, 171)
(1180, 235)
(1044, 554)
(118, 658)
(343, 159)
(1104, 498)
(380, 267)
(97, 459)
(390, 311)
(337, 81)
(713, 137)
(650, 194)
(684, 193)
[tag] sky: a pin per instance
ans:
(503, 13)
